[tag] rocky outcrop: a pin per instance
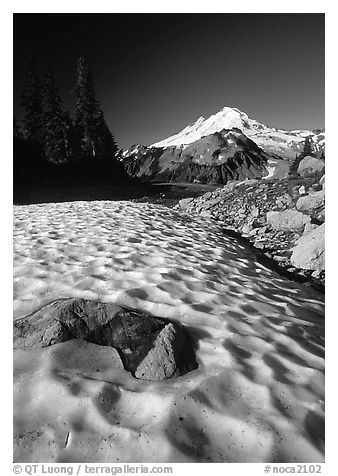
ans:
(217, 158)
(310, 251)
(310, 166)
(150, 347)
(273, 215)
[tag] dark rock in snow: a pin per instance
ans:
(150, 347)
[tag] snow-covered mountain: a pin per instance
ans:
(279, 142)
(216, 158)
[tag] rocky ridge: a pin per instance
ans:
(282, 218)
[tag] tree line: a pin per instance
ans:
(51, 133)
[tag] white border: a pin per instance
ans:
(143, 6)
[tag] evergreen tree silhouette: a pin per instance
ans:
(307, 150)
(57, 124)
(95, 138)
(32, 105)
(106, 144)
(17, 134)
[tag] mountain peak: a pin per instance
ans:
(226, 118)
(279, 142)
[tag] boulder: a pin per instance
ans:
(259, 244)
(282, 170)
(309, 227)
(309, 253)
(185, 202)
(310, 166)
(311, 202)
(254, 212)
(230, 186)
(247, 227)
(287, 220)
(150, 347)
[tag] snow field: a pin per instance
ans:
(258, 394)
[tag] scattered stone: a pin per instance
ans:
(283, 201)
(255, 212)
(266, 213)
(152, 348)
(259, 245)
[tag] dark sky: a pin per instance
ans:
(156, 73)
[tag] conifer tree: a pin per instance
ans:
(16, 129)
(57, 124)
(307, 150)
(86, 109)
(95, 138)
(32, 104)
(106, 144)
